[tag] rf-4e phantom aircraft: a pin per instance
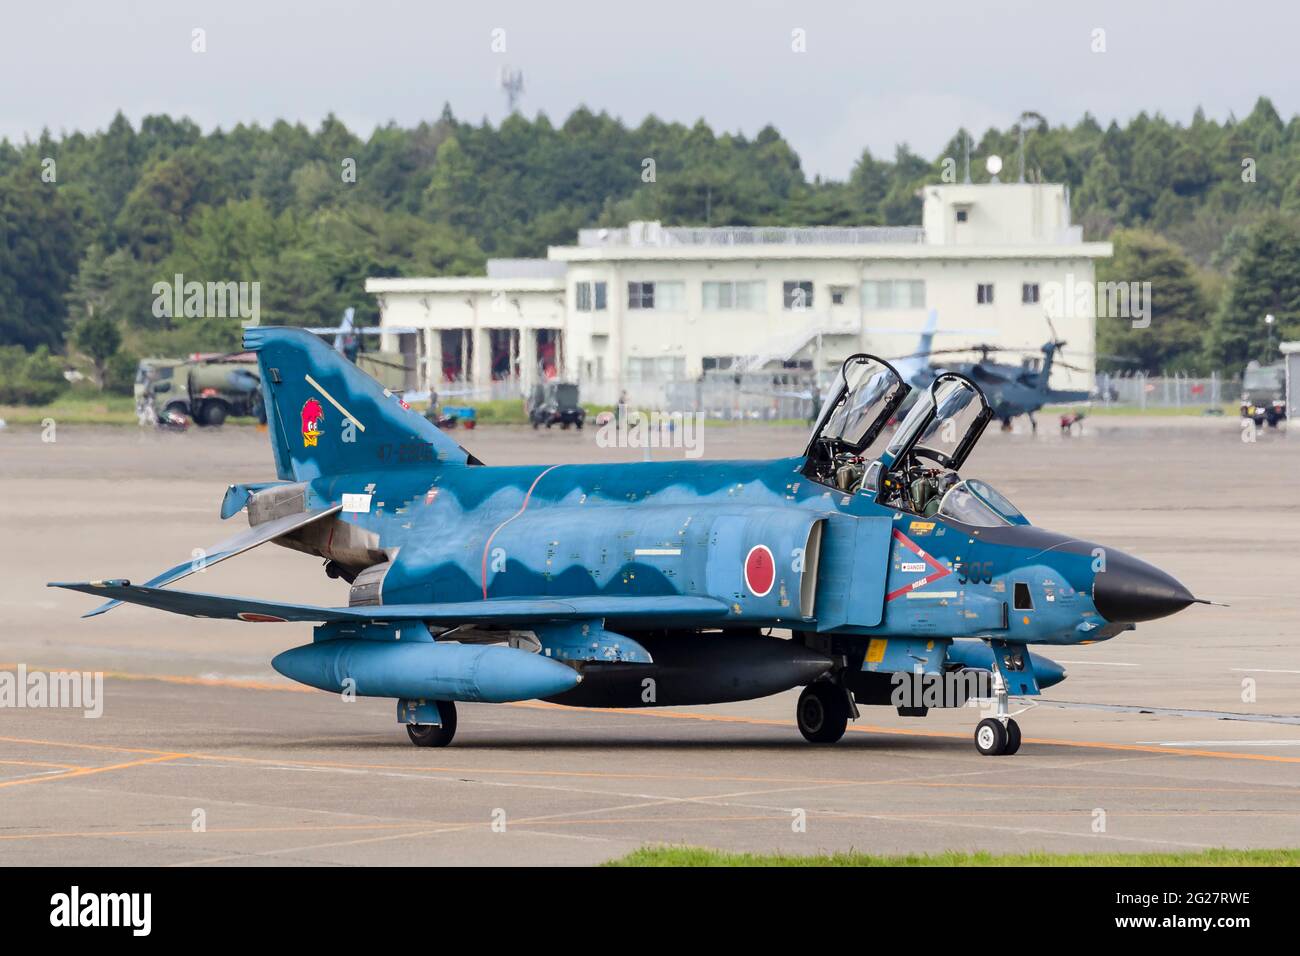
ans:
(660, 583)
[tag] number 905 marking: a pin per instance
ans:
(975, 572)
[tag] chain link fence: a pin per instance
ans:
(1166, 391)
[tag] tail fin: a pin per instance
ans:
(926, 344)
(327, 417)
(1049, 352)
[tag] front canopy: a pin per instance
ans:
(867, 392)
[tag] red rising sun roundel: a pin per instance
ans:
(760, 570)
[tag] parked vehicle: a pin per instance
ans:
(1263, 393)
(555, 403)
(208, 390)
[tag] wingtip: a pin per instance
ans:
(89, 587)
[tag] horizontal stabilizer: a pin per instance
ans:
(244, 541)
(491, 611)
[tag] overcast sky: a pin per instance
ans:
(874, 73)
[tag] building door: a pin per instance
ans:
(457, 355)
(550, 358)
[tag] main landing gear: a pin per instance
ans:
(823, 712)
(435, 735)
(998, 736)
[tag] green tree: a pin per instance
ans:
(1178, 313)
(34, 378)
(97, 337)
(39, 248)
(1265, 281)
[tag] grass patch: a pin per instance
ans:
(75, 409)
(700, 856)
(1231, 409)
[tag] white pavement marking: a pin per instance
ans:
(1221, 743)
(1097, 663)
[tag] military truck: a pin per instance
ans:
(150, 371)
(1263, 393)
(207, 389)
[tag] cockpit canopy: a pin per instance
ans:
(975, 502)
(944, 424)
(865, 396)
(918, 466)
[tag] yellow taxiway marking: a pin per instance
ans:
(902, 732)
(40, 763)
(87, 771)
(904, 781)
(708, 718)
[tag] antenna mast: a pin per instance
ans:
(512, 82)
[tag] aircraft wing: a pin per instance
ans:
(244, 541)
(490, 611)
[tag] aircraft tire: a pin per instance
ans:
(427, 735)
(991, 737)
(1013, 738)
(822, 712)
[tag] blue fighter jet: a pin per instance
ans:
(660, 583)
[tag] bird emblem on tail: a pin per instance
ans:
(313, 419)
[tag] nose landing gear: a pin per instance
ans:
(994, 738)
(998, 736)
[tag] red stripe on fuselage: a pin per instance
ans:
(939, 570)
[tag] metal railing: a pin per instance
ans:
(653, 234)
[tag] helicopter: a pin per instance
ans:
(1011, 389)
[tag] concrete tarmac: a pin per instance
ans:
(1180, 735)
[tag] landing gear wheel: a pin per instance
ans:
(991, 737)
(427, 735)
(822, 712)
(1013, 738)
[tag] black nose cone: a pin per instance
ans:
(1130, 590)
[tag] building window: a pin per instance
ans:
(718, 363)
(1029, 293)
(798, 296)
(590, 297)
(893, 294)
(838, 294)
(749, 295)
(961, 215)
(984, 293)
(670, 296)
(640, 295)
(663, 296)
(665, 368)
